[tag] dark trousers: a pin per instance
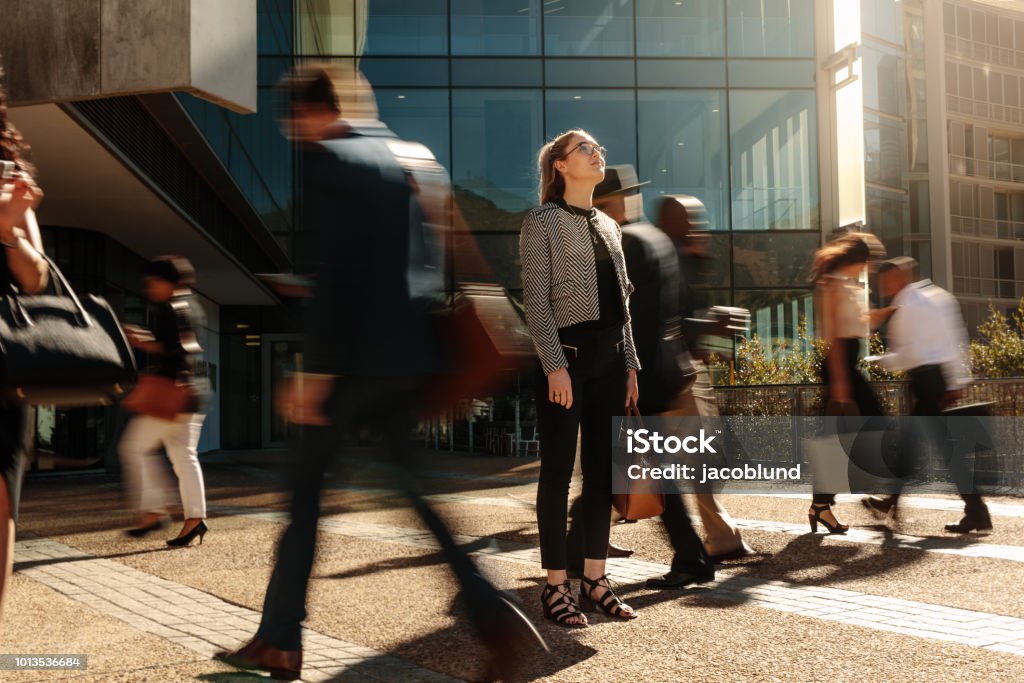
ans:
(688, 550)
(16, 436)
(386, 405)
(862, 394)
(597, 368)
(927, 389)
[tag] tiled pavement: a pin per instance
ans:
(204, 623)
(924, 620)
(191, 618)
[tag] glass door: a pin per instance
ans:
(282, 355)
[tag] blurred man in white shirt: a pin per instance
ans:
(927, 341)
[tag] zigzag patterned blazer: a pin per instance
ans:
(560, 278)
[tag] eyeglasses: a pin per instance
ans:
(588, 148)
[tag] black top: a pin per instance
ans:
(609, 299)
(174, 328)
(363, 320)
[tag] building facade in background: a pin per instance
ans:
(790, 119)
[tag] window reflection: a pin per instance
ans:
(668, 28)
(683, 148)
(400, 27)
(498, 133)
(417, 115)
(771, 28)
(774, 160)
(326, 27)
(588, 28)
(608, 115)
(495, 27)
(773, 259)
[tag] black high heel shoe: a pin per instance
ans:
(815, 517)
(562, 610)
(183, 540)
(140, 531)
(610, 603)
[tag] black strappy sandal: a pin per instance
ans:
(565, 608)
(610, 603)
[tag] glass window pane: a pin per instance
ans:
(681, 73)
(494, 154)
(495, 27)
(399, 27)
(667, 28)
(771, 28)
(885, 151)
(608, 115)
(773, 315)
(274, 27)
(417, 115)
(326, 27)
(590, 73)
(771, 73)
(884, 19)
(683, 149)
(494, 73)
(585, 28)
(774, 160)
(885, 79)
(398, 71)
(773, 259)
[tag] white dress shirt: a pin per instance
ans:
(927, 329)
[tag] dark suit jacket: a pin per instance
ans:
(653, 267)
(363, 319)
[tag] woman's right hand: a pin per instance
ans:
(560, 388)
(16, 197)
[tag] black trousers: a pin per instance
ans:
(16, 433)
(927, 389)
(863, 396)
(597, 367)
(387, 406)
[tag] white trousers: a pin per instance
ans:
(149, 486)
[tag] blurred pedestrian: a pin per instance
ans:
(24, 268)
(576, 294)
(926, 339)
(654, 308)
(684, 220)
(369, 346)
(841, 297)
(168, 403)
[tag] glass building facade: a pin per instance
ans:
(710, 98)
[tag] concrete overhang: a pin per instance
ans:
(62, 50)
(87, 186)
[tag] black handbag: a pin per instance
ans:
(58, 349)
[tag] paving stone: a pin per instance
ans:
(202, 623)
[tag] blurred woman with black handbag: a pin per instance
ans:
(842, 299)
(168, 405)
(24, 268)
(576, 295)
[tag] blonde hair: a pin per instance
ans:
(851, 248)
(552, 183)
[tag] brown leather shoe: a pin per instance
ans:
(616, 551)
(285, 665)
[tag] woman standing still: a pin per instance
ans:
(576, 295)
(21, 266)
(842, 298)
(172, 350)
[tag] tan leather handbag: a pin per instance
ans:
(644, 498)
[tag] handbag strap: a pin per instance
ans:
(65, 290)
(633, 415)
